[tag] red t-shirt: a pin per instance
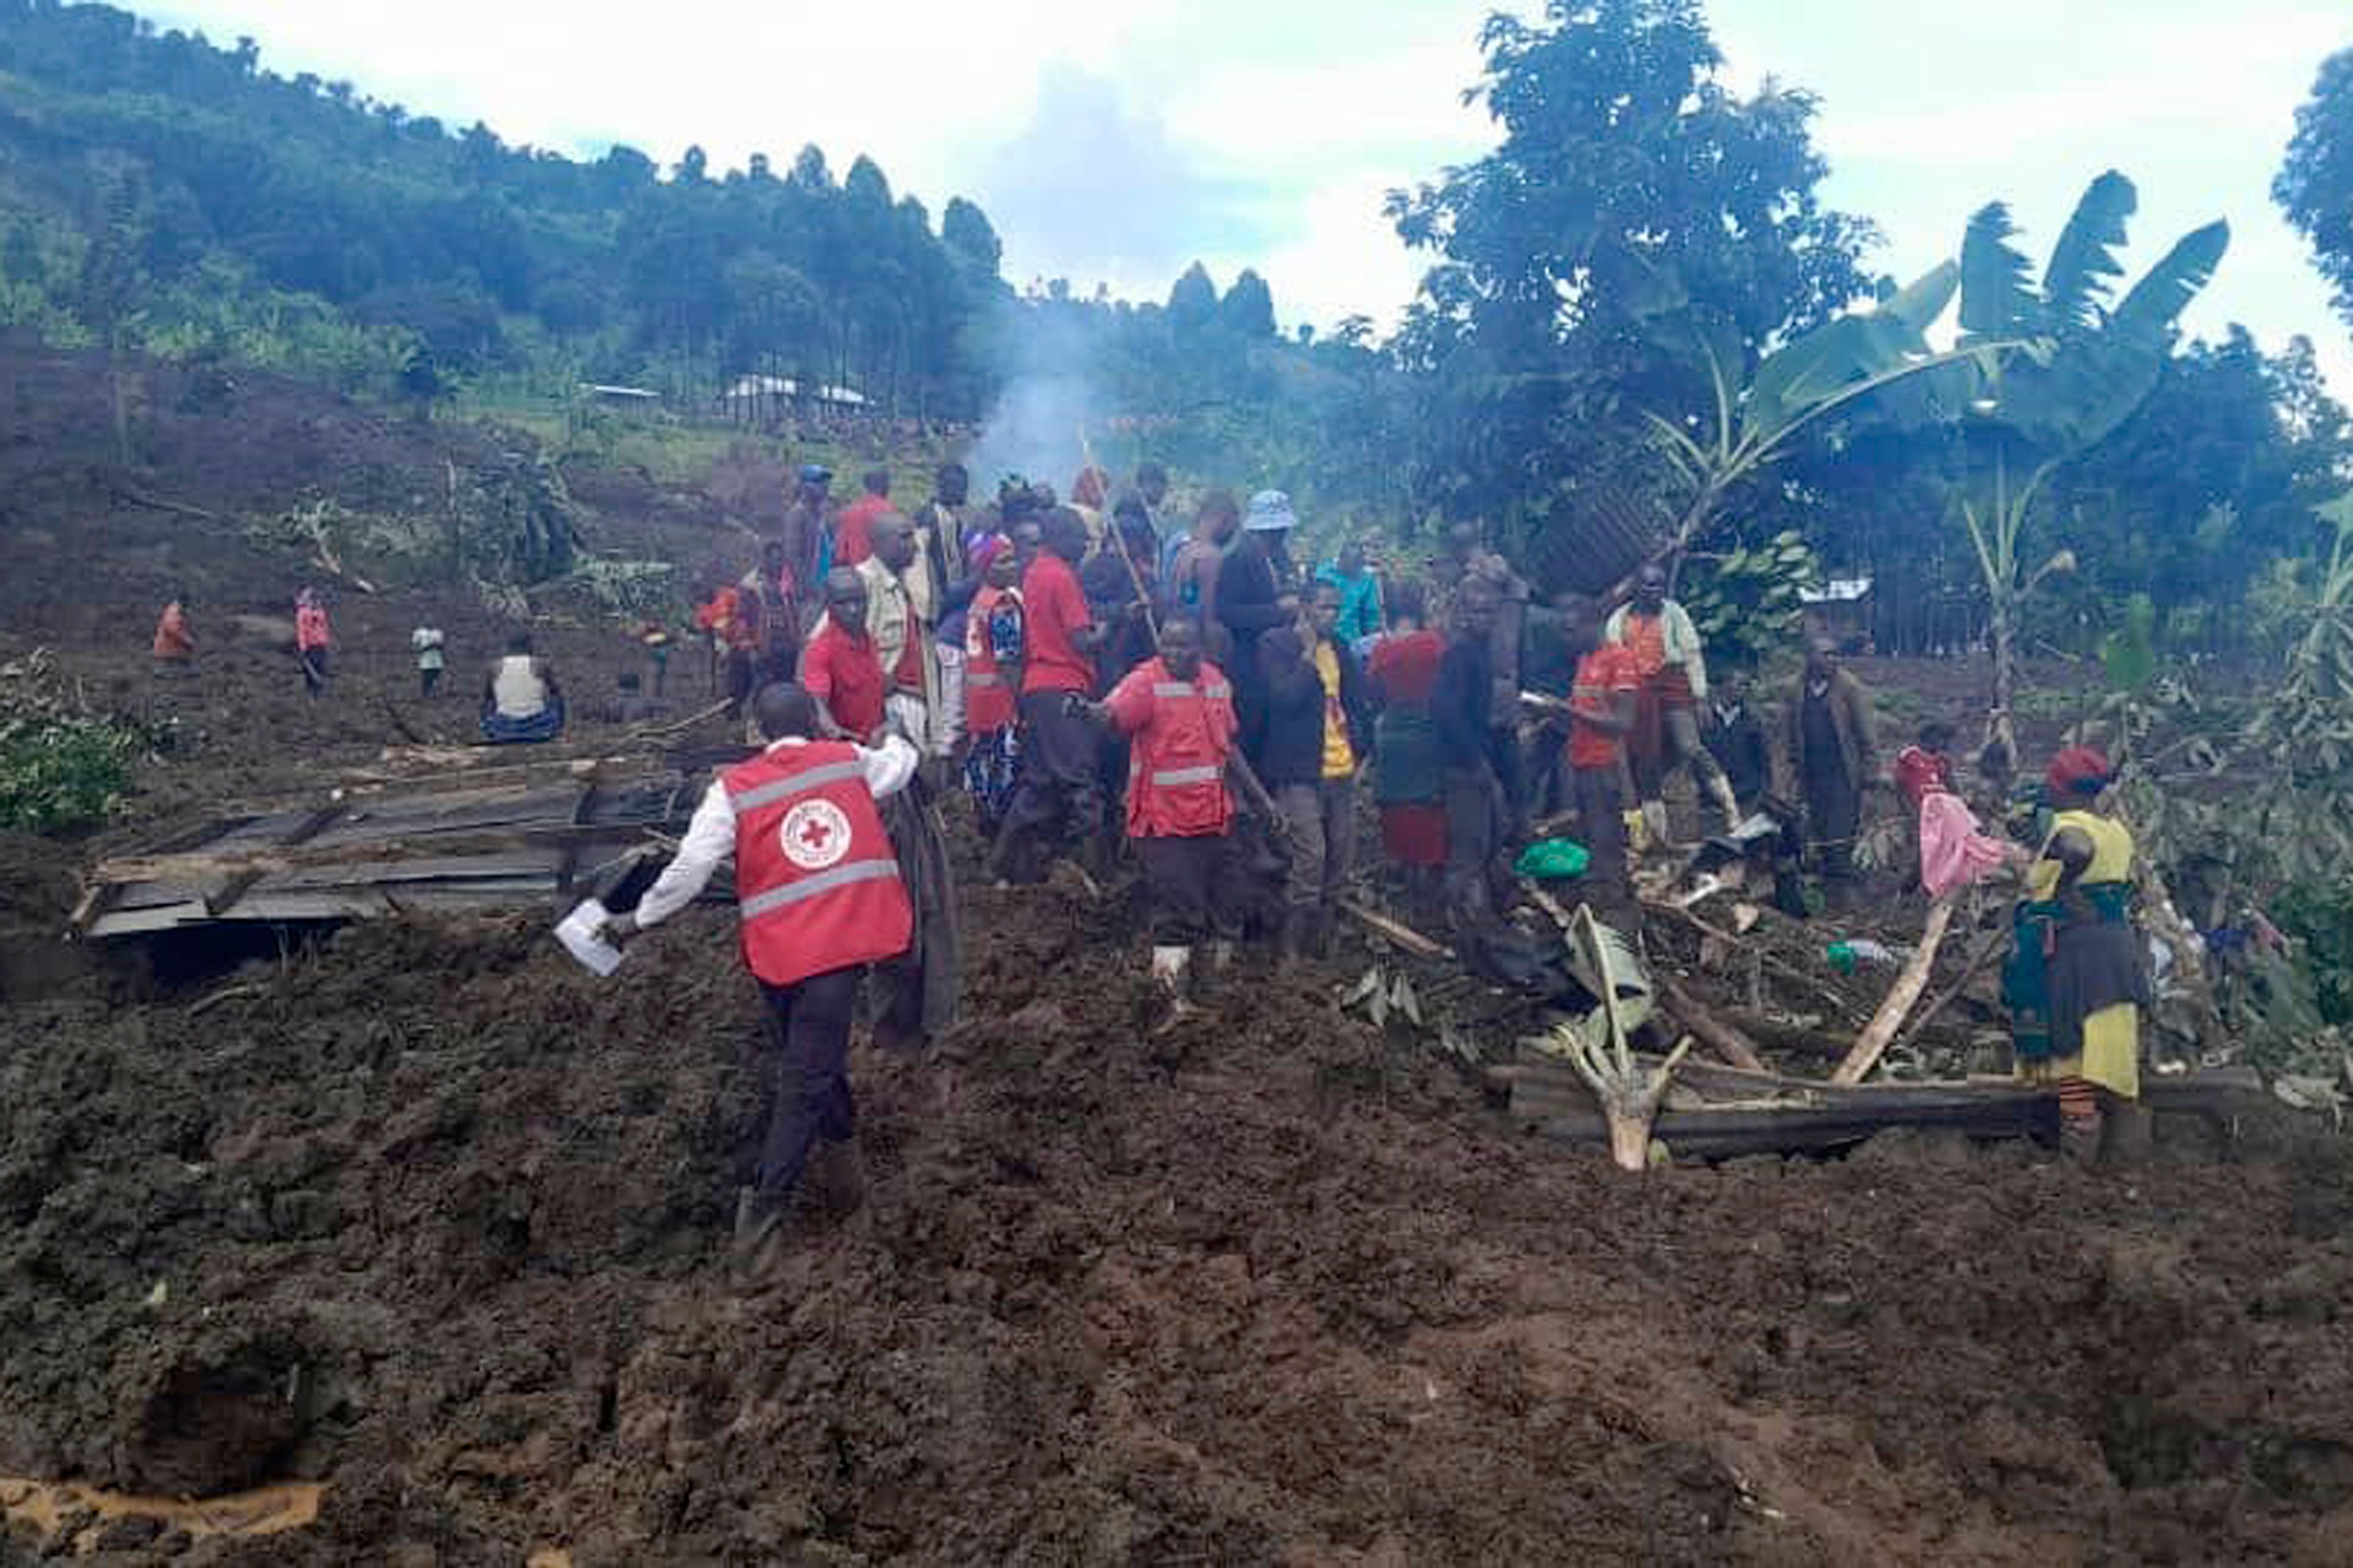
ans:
(842, 672)
(1602, 676)
(1182, 732)
(853, 533)
(1055, 609)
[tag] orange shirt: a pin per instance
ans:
(1602, 676)
(1646, 639)
(853, 535)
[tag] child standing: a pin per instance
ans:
(430, 658)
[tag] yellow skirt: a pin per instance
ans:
(2111, 1055)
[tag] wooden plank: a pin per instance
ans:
(147, 921)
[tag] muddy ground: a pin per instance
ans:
(424, 1212)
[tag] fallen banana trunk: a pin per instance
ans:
(1628, 1089)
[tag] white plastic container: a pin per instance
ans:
(580, 934)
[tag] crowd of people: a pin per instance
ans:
(1108, 684)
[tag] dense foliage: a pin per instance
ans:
(1630, 182)
(153, 175)
(2315, 186)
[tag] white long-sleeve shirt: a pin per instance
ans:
(711, 836)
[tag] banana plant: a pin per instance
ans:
(2053, 371)
(1814, 374)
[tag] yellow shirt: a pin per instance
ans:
(1339, 757)
(2112, 854)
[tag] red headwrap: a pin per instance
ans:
(2078, 771)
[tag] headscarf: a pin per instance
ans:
(1090, 488)
(983, 549)
(2078, 772)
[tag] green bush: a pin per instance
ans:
(61, 772)
(1748, 606)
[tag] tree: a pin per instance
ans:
(971, 239)
(1623, 161)
(2213, 478)
(112, 278)
(2031, 410)
(2315, 185)
(1193, 302)
(1248, 310)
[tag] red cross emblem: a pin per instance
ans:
(815, 834)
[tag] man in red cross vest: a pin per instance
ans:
(818, 891)
(1178, 713)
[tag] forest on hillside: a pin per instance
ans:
(1640, 243)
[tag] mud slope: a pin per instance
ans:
(435, 1218)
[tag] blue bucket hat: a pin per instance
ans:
(815, 474)
(1269, 513)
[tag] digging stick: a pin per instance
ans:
(1715, 1034)
(1397, 931)
(651, 731)
(1872, 1042)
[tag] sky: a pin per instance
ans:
(1116, 140)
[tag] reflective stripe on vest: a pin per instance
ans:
(1187, 688)
(1175, 776)
(823, 882)
(816, 778)
(982, 677)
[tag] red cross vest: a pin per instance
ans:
(817, 884)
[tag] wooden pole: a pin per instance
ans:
(1711, 1031)
(1872, 1044)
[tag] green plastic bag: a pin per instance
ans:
(1554, 860)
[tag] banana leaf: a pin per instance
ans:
(1994, 300)
(1608, 967)
(2075, 285)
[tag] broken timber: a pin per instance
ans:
(515, 835)
(1718, 1113)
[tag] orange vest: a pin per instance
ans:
(988, 699)
(817, 884)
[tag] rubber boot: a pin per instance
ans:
(2079, 1139)
(1172, 971)
(760, 1229)
(1654, 820)
(1222, 957)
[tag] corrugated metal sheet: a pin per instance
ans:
(466, 844)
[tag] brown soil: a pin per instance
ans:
(431, 1216)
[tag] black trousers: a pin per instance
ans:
(1057, 796)
(1601, 810)
(742, 676)
(1833, 817)
(1185, 880)
(812, 1019)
